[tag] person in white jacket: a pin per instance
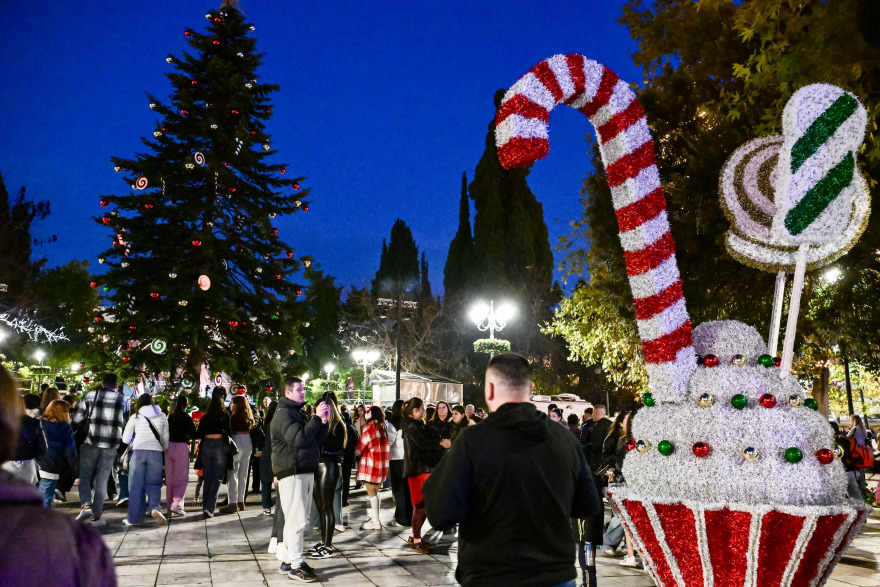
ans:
(147, 433)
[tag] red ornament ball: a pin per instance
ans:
(184, 112)
(274, 231)
(97, 318)
(305, 208)
(94, 284)
(132, 327)
(296, 186)
(194, 82)
(148, 206)
(768, 400)
(253, 133)
(188, 33)
(701, 449)
(277, 276)
(269, 388)
(290, 254)
(267, 111)
(777, 361)
(283, 170)
(232, 190)
(234, 111)
(154, 294)
(86, 379)
(125, 346)
(106, 219)
(233, 323)
(216, 42)
(825, 455)
(104, 203)
(197, 243)
(299, 292)
(710, 361)
(126, 359)
(630, 444)
(217, 19)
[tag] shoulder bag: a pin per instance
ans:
(82, 431)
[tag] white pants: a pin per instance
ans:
(238, 474)
(295, 496)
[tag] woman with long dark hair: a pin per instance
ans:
(441, 421)
(147, 433)
(214, 430)
(327, 478)
(181, 430)
(460, 421)
(422, 448)
(373, 469)
(399, 487)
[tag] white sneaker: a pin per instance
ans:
(340, 528)
(273, 545)
(178, 510)
(371, 525)
(629, 561)
(125, 522)
(98, 522)
(208, 514)
(85, 514)
(159, 517)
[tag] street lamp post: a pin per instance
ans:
(488, 318)
(329, 368)
(365, 358)
(400, 304)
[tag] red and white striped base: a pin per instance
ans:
(689, 544)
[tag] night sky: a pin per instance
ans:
(382, 106)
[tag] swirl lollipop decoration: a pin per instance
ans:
(798, 201)
(158, 346)
(204, 282)
(141, 183)
(627, 151)
(199, 158)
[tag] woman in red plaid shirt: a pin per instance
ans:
(375, 455)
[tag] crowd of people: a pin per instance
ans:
(501, 484)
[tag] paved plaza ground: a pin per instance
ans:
(231, 550)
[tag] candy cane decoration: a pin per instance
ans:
(628, 154)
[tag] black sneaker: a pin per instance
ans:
(285, 569)
(303, 573)
(314, 551)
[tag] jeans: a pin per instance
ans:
(95, 465)
(47, 488)
(123, 486)
(852, 485)
(144, 483)
(614, 533)
(295, 494)
(176, 473)
(237, 489)
(213, 453)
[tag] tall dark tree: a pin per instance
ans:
(425, 294)
(203, 198)
(457, 274)
(18, 271)
(399, 264)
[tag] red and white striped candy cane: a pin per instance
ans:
(628, 154)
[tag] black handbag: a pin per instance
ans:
(82, 431)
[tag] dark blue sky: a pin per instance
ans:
(382, 106)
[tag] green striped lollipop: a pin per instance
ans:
(817, 179)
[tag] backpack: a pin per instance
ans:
(862, 456)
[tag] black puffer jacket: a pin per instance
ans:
(31, 441)
(296, 439)
(418, 439)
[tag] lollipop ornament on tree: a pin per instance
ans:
(740, 490)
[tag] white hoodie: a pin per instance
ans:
(138, 433)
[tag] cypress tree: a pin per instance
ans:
(459, 262)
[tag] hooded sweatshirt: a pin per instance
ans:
(138, 433)
(513, 483)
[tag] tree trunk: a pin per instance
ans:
(820, 389)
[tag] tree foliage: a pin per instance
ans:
(399, 264)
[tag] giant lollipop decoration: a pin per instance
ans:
(639, 201)
(797, 201)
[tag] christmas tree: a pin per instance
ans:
(198, 274)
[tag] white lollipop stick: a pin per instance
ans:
(776, 318)
(793, 309)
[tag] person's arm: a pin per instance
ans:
(190, 428)
(70, 457)
(446, 489)
(79, 413)
(421, 437)
(128, 433)
(391, 431)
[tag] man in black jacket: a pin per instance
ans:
(596, 438)
(296, 439)
(512, 483)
